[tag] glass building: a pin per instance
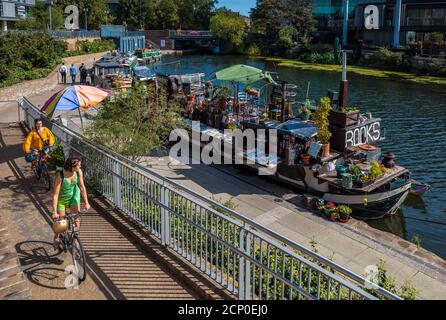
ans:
(418, 18)
(13, 10)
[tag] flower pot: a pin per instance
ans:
(333, 218)
(306, 159)
(327, 212)
(305, 116)
(344, 219)
(388, 160)
(326, 150)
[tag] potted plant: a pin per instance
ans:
(305, 111)
(57, 157)
(344, 117)
(375, 170)
(320, 118)
(334, 216)
(344, 213)
(222, 97)
(252, 91)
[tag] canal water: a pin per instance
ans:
(413, 122)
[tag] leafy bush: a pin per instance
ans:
(436, 67)
(27, 57)
(254, 50)
(385, 58)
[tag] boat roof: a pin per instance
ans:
(114, 61)
(296, 128)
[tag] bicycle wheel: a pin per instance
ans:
(78, 254)
(45, 178)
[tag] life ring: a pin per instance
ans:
(368, 147)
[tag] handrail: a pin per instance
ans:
(253, 227)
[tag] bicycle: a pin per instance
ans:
(41, 170)
(69, 240)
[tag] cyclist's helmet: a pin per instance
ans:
(60, 226)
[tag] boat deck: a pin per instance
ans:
(331, 178)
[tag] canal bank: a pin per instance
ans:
(362, 71)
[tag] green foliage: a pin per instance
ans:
(136, 124)
(436, 67)
(283, 22)
(407, 291)
(254, 50)
(435, 37)
(97, 45)
(57, 156)
(417, 240)
(39, 18)
(375, 170)
(27, 57)
(230, 28)
(97, 11)
(320, 118)
(385, 58)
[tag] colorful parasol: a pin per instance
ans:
(75, 97)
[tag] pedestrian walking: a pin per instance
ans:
(63, 73)
(82, 74)
(73, 73)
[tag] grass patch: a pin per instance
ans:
(363, 71)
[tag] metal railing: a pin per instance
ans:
(190, 33)
(58, 34)
(248, 259)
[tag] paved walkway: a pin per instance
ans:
(118, 266)
(355, 246)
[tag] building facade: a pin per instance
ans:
(418, 19)
(11, 11)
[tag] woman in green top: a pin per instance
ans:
(68, 188)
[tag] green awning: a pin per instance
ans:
(243, 74)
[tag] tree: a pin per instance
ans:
(39, 18)
(97, 11)
(229, 27)
(136, 124)
(269, 17)
(167, 14)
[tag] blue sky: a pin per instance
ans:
(242, 6)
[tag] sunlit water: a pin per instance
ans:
(413, 121)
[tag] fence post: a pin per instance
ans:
(241, 268)
(117, 184)
(248, 268)
(165, 219)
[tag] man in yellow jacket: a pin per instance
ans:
(40, 138)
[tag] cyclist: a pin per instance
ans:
(68, 188)
(39, 139)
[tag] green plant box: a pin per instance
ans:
(343, 119)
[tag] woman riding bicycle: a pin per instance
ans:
(68, 188)
(39, 139)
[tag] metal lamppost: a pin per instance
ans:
(86, 20)
(345, 28)
(397, 24)
(51, 19)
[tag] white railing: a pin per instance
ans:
(248, 259)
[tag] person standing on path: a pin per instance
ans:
(63, 73)
(73, 73)
(81, 74)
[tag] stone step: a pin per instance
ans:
(11, 281)
(17, 287)
(10, 272)
(10, 264)
(22, 295)
(7, 257)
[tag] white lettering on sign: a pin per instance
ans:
(363, 135)
(72, 21)
(371, 17)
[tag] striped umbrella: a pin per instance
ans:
(74, 97)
